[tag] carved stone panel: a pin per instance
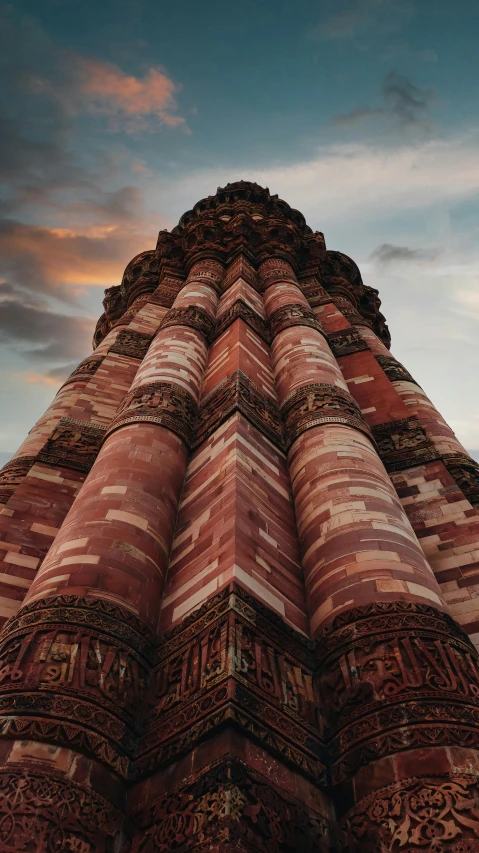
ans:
(131, 343)
(85, 370)
(293, 315)
(466, 474)
(320, 403)
(237, 393)
(192, 316)
(162, 403)
(395, 676)
(403, 444)
(12, 475)
(393, 369)
(346, 341)
(73, 444)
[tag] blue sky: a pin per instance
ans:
(118, 116)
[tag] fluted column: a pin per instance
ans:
(79, 649)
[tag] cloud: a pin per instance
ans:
(405, 104)
(386, 254)
(364, 17)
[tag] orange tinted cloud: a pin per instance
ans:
(130, 102)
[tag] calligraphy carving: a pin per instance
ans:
(243, 311)
(320, 403)
(403, 444)
(237, 393)
(393, 369)
(405, 676)
(293, 315)
(228, 803)
(12, 475)
(346, 342)
(131, 343)
(162, 403)
(191, 316)
(466, 474)
(85, 370)
(430, 813)
(73, 444)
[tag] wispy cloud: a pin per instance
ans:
(364, 17)
(387, 253)
(402, 102)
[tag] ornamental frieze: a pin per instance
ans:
(238, 393)
(275, 271)
(394, 370)
(229, 806)
(241, 310)
(85, 370)
(73, 444)
(163, 403)
(191, 316)
(465, 472)
(131, 343)
(293, 315)
(346, 342)
(424, 813)
(320, 403)
(12, 475)
(392, 677)
(403, 443)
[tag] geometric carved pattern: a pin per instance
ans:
(465, 471)
(74, 671)
(345, 342)
(49, 813)
(243, 311)
(427, 814)
(293, 315)
(232, 661)
(229, 807)
(131, 343)
(320, 403)
(395, 676)
(393, 369)
(12, 474)
(403, 444)
(163, 403)
(191, 316)
(238, 393)
(73, 444)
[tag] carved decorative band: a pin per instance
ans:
(238, 393)
(320, 403)
(211, 276)
(131, 343)
(12, 475)
(394, 370)
(346, 342)
(51, 810)
(403, 444)
(466, 474)
(74, 671)
(244, 312)
(235, 661)
(276, 271)
(293, 315)
(348, 311)
(227, 806)
(429, 813)
(191, 316)
(73, 444)
(85, 370)
(162, 403)
(395, 676)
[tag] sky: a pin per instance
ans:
(117, 116)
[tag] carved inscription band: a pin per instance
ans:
(346, 342)
(162, 403)
(403, 443)
(394, 370)
(73, 444)
(12, 474)
(320, 403)
(293, 315)
(131, 343)
(85, 370)
(191, 316)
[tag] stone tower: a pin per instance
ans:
(240, 579)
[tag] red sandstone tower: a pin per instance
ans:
(240, 568)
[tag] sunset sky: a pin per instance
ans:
(118, 115)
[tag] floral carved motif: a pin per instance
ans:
(237, 393)
(73, 444)
(191, 316)
(162, 403)
(430, 814)
(293, 315)
(345, 342)
(403, 443)
(12, 475)
(131, 343)
(393, 677)
(320, 403)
